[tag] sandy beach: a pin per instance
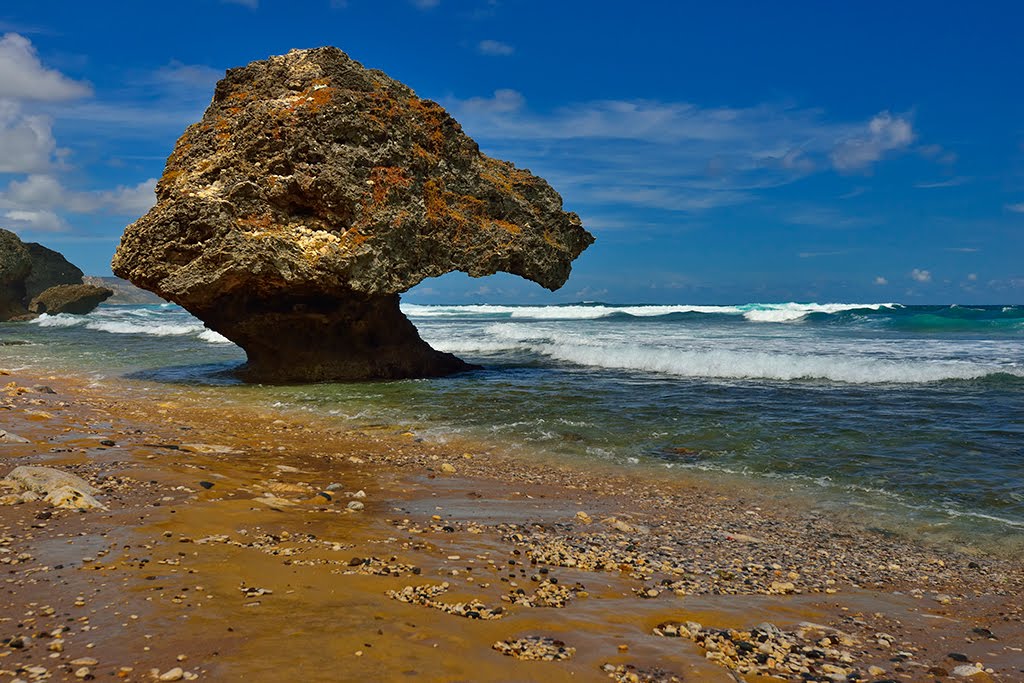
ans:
(247, 543)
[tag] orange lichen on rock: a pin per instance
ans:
(505, 225)
(256, 222)
(386, 178)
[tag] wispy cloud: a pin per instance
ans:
(153, 103)
(937, 153)
(885, 133)
(178, 75)
(691, 158)
(819, 254)
(251, 4)
(1015, 208)
(963, 250)
(881, 281)
(26, 29)
(425, 4)
(823, 217)
(495, 48)
(951, 182)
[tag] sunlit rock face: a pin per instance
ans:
(310, 195)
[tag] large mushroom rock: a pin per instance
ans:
(15, 264)
(49, 269)
(73, 299)
(311, 194)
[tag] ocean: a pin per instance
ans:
(904, 418)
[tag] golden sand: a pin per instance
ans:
(249, 543)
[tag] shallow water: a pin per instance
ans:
(908, 417)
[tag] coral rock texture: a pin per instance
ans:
(311, 194)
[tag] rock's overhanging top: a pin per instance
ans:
(312, 181)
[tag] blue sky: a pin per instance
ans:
(721, 154)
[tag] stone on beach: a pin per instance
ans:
(9, 437)
(58, 488)
(311, 194)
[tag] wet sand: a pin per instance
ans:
(245, 542)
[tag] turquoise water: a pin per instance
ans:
(909, 417)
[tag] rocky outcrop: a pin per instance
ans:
(124, 291)
(49, 269)
(15, 264)
(74, 299)
(34, 278)
(311, 194)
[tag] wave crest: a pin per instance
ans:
(784, 312)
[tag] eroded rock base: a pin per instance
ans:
(317, 338)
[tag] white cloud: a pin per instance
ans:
(27, 144)
(495, 48)
(35, 190)
(921, 275)
(251, 4)
(44, 195)
(23, 77)
(425, 4)
(130, 201)
(885, 133)
(881, 280)
(504, 101)
(973, 277)
(31, 96)
(21, 220)
(1016, 208)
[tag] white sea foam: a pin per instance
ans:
(151, 322)
(724, 364)
(157, 330)
(710, 361)
(62, 320)
(781, 313)
(214, 337)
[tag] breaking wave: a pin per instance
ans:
(754, 312)
(140, 321)
(716, 363)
